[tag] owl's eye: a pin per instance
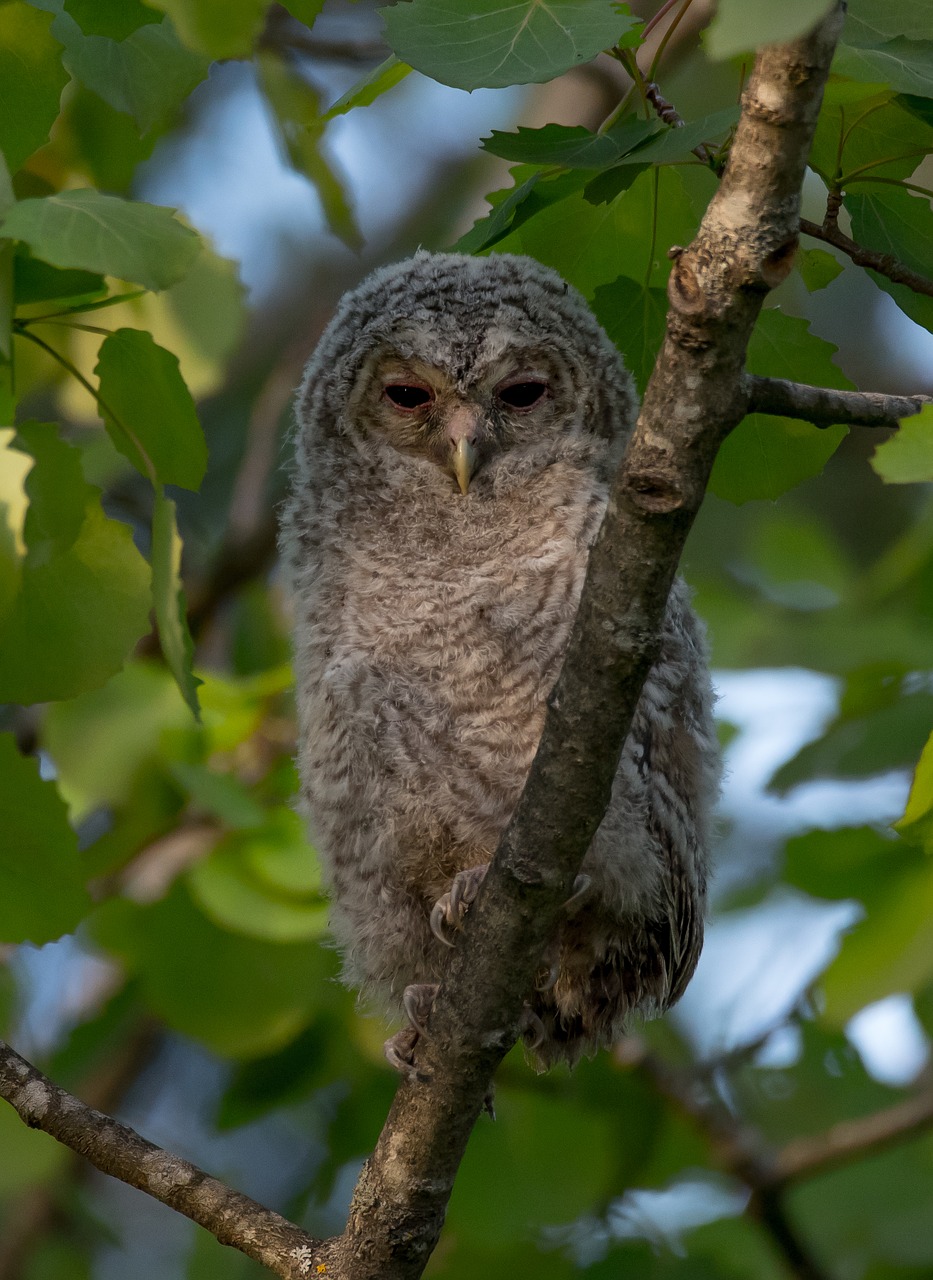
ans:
(523, 395)
(408, 396)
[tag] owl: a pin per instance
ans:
(457, 429)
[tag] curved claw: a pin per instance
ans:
(440, 915)
(550, 982)
(580, 889)
(530, 1024)
(417, 999)
(399, 1051)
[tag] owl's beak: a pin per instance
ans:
(464, 463)
(463, 434)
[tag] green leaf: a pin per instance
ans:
(573, 148)
(917, 821)
(862, 130)
(115, 19)
(372, 86)
(874, 21)
(906, 65)
(102, 740)
(592, 244)
(168, 598)
(301, 126)
(817, 268)
(148, 75)
(134, 241)
(217, 28)
(861, 742)
(896, 222)
(531, 193)
(907, 458)
(76, 597)
(635, 319)
(240, 996)
(220, 794)
(305, 11)
(7, 268)
(743, 25)
(7, 196)
(148, 410)
(263, 883)
(36, 281)
(42, 892)
(488, 44)
(765, 456)
(31, 80)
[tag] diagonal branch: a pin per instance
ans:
(826, 407)
(116, 1149)
(884, 263)
(852, 1139)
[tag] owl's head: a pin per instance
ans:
(459, 369)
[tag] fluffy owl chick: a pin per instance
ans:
(457, 427)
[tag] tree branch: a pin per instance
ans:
(116, 1149)
(852, 1139)
(884, 263)
(825, 407)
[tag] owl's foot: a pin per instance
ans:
(580, 891)
(449, 910)
(531, 1028)
(399, 1049)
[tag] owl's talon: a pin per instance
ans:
(550, 982)
(580, 890)
(529, 1024)
(417, 1000)
(400, 1054)
(451, 907)
(441, 914)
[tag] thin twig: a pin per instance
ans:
(826, 406)
(884, 263)
(852, 1139)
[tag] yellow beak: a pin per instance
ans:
(464, 463)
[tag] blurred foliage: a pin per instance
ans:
(148, 811)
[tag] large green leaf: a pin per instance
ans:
(101, 740)
(135, 241)
(264, 883)
(907, 458)
(490, 44)
(764, 456)
(906, 65)
(168, 599)
(593, 244)
(217, 28)
(31, 80)
(149, 412)
(634, 318)
(115, 19)
(866, 131)
(76, 590)
(42, 892)
(894, 221)
(874, 21)
(148, 75)
(240, 996)
(742, 25)
(572, 147)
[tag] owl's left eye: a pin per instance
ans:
(522, 395)
(408, 396)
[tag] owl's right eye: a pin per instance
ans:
(408, 396)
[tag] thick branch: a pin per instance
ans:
(884, 263)
(744, 247)
(826, 407)
(116, 1149)
(853, 1139)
